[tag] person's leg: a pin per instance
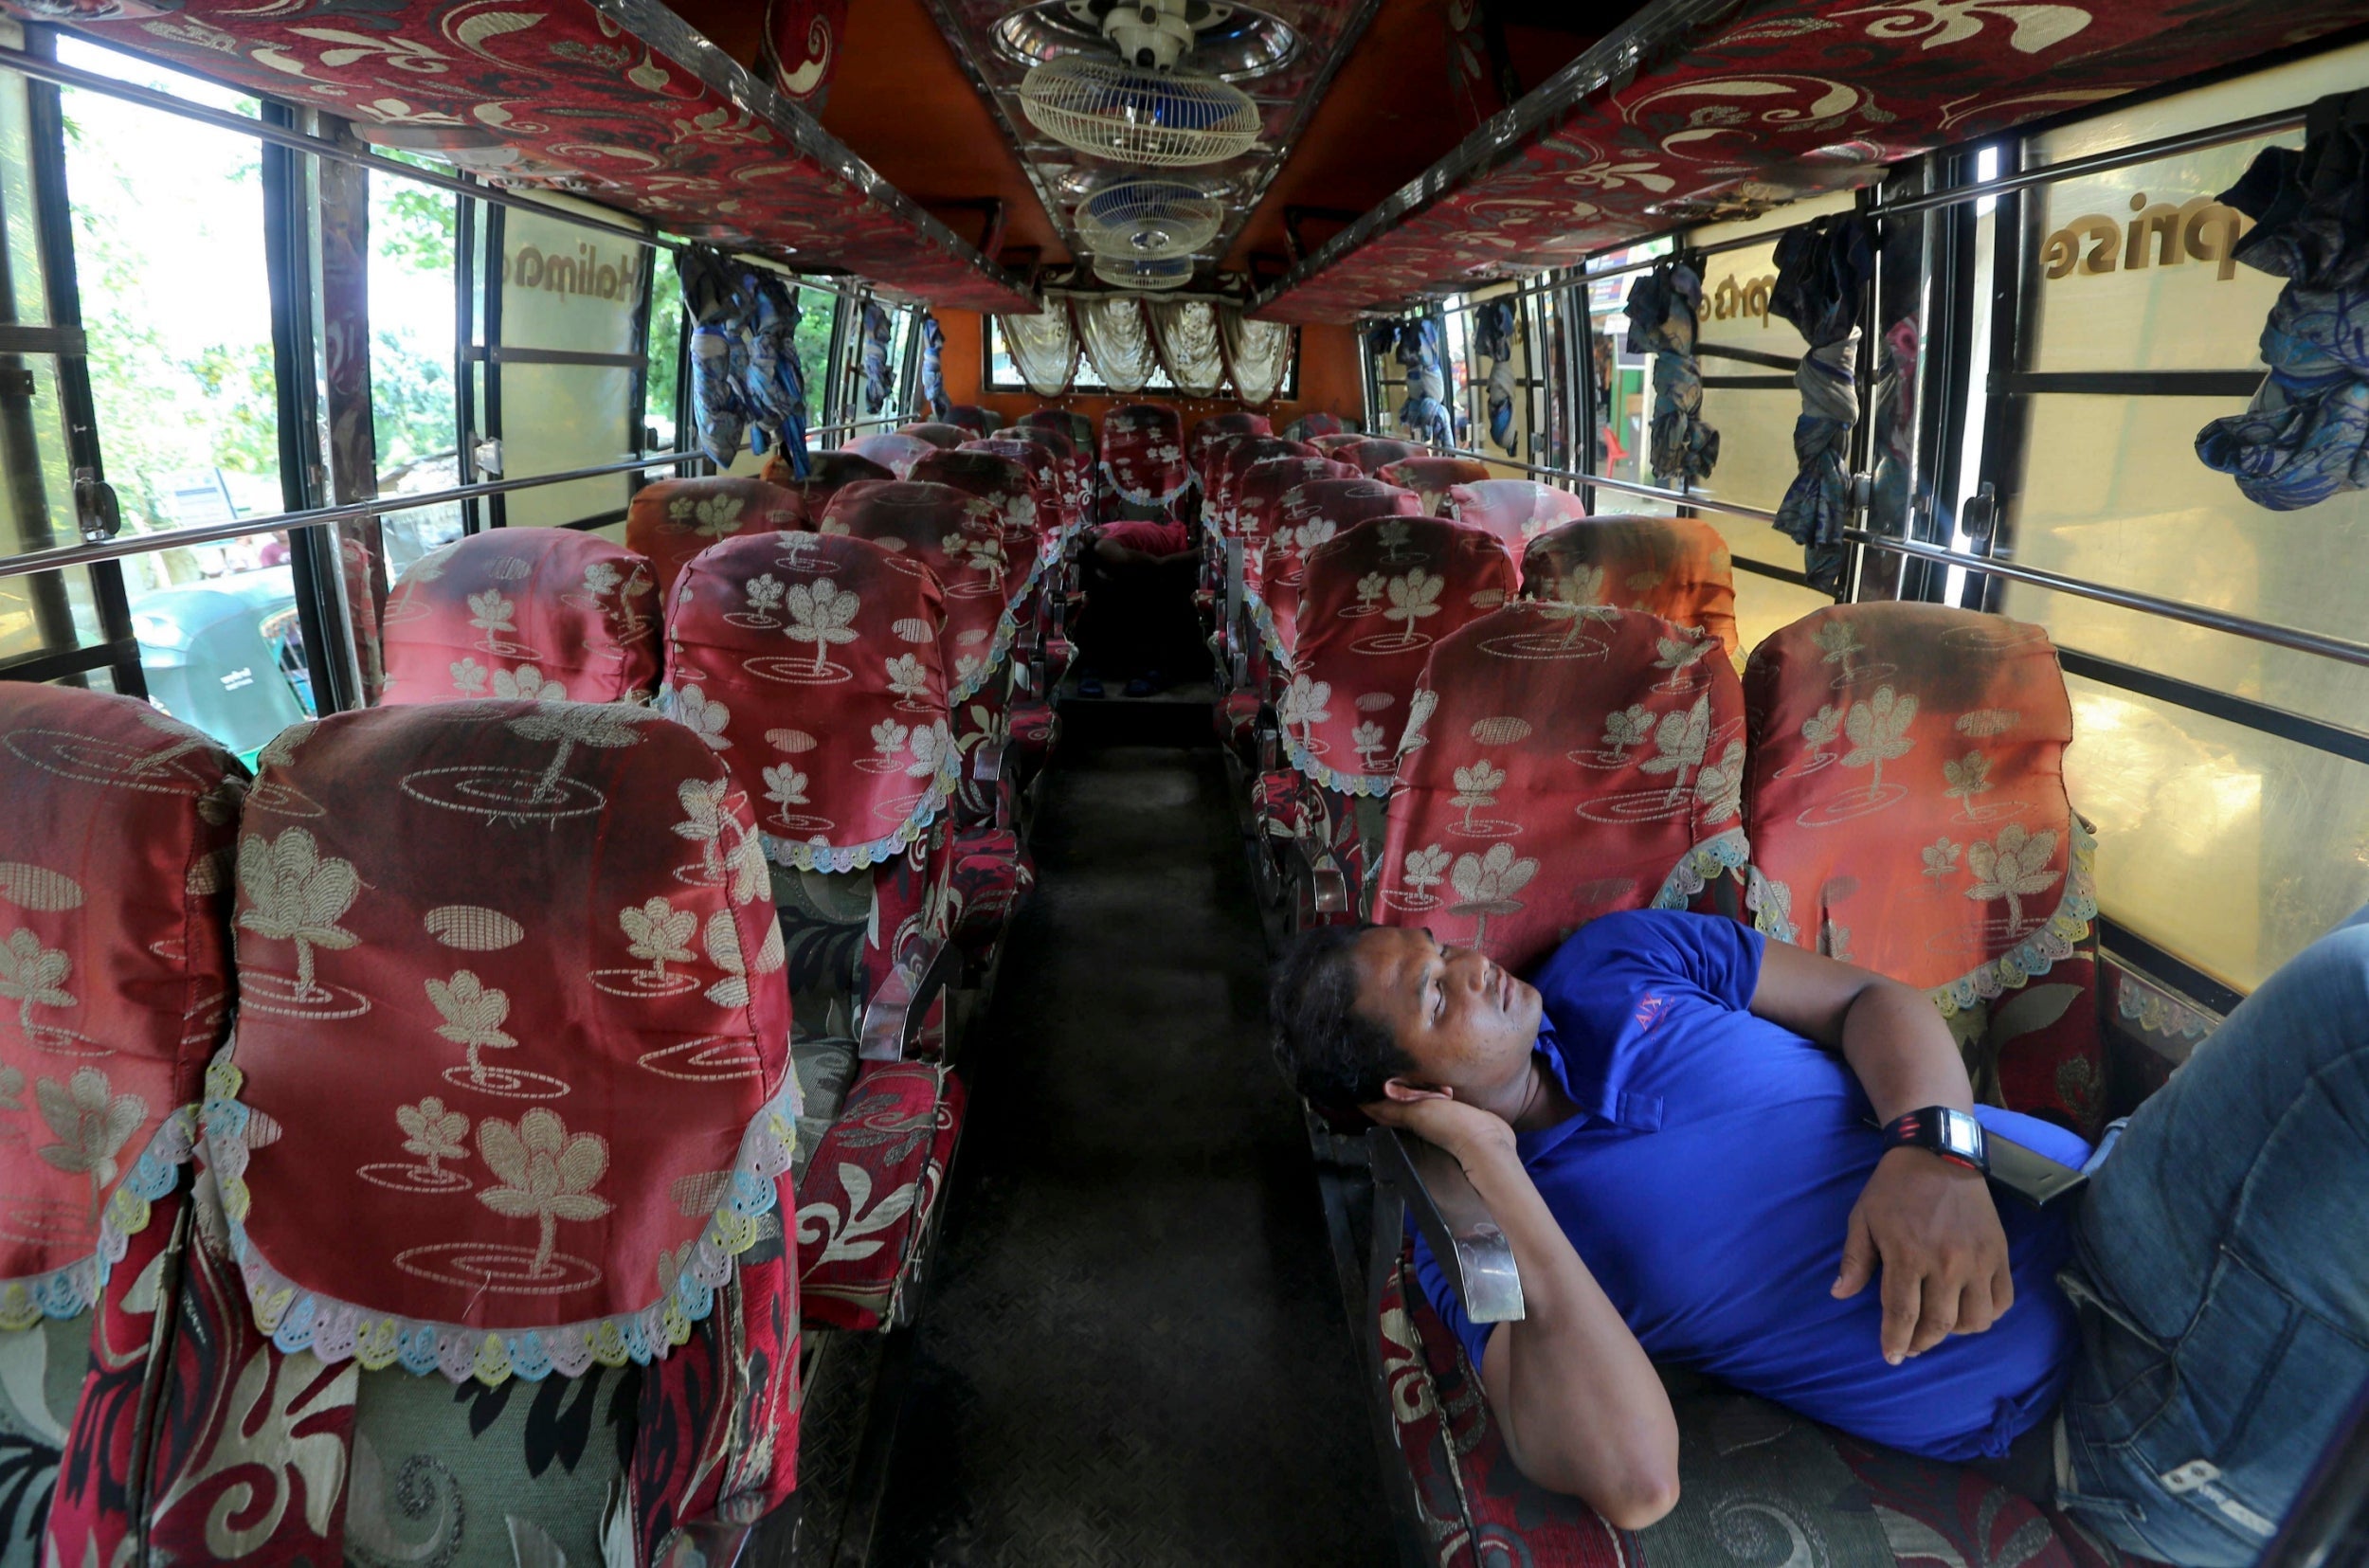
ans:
(2222, 1264)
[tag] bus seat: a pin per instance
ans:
(1143, 457)
(1517, 511)
(1030, 516)
(429, 1182)
(1310, 426)
(1086, 453)
(670, 522)
(1907, 813)
(1644, 810)
(973, 419)
(826, 473)
(1258, 492)
(1433, 477)
(1206, 464)
(1677, 567)
(1305, 517)
(1332, 442)
(1042, 627)
(893, 450)
(1374, 601)
(523, 612)
(1229, 463)
(1210, 426)
(114, 967)
(943, 435)
(1372, 454)
(1071, 480)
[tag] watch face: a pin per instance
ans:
(1961, 1134)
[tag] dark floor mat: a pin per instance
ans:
(1133, 1352)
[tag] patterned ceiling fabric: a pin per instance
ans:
(893, 450)
(1143, 454)
(115, 857)
(395, 925)
(937, 433)
(1908, 792)
(1308, 515)
(672, 520)
(1258, 492)
(526, 613)
(1665, 308)
(563, 95)
(878, 334)
(1184, 332)
(1230, 461)
(973, 419)
(1372, 454)
(801, 48)
(1737, 108)
(813, 664)
(1027, 515)
(1209, 427)
(1644, 811)
(960, 539)
(1433, 477)
(1374, 601)
(1043, 347)
(1258, 354)
(1821, 271)
(1675, 568)
(2306, 435)
(1112, 330)
(1516, 511)
(933, 396)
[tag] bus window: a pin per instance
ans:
(413, 406)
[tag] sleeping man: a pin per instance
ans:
(1733, 1155)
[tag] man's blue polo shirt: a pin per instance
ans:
(1708, 1181)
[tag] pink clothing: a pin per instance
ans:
(1152, 538)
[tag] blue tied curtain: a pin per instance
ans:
(1822, 269)
(2306, 435)
(777, 385)
(1493, 336)
(1664, 308)
(1422, 352)
(720, 350)
(877, 334)
(934, 367)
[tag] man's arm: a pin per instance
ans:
(1581, 1406)
(1928, 1223)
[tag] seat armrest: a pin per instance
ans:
(892, 1018)
(1475, 1254)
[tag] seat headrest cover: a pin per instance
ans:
(1373, 603)
(1229, 463)
(1042, 467)
(1143, 454)
(115, 976)
(1308, 515)
(896, 451)
(1258, 492)
(1677, 567)
(1376, 453)
(972, 419)
(673, 520)
(1310, 426)
(1433, 477)
(524, 613)
(509, 1088)
(945, 437)
(1516, 511)
(1907, 797)
(814, 664)
(959, 537)
(1561, 763)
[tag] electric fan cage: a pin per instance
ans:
(1145, 220)
(1171, 273)
(1098, 105)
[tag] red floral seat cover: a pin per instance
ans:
(1306, 516)
(1374, 601)
(971, 418)
(526, 613)
(960, 539)
(1210, 426)
(1677, 567)
(814, 665)
(942, 434)
(1085, 447)
(1908, 814)
(826, 472)
(1227, 465)
(1372, 454)
(510, 1089)
(1027, 514)
(1047, 473)
(1143, 454)
(115, 976)
(1310, 426)
(1560, 763)
(1259, 490)
(893, 450)
(1516, 511)
(1331, 442)
(1073, 471)
(1433, 477)
(673, 520)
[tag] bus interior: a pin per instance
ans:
(718, 644)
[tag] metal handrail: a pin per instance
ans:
(1655, 493)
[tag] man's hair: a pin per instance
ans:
(1336, 1055)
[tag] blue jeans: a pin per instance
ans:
(2221, 1269)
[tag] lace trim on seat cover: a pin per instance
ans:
(1716, 856)
(70, 1290)
(299, 1319)
(800, 855)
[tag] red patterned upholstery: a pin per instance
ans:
(1433, 477)
(894, 450)
(1517, 511)
(1236, 715)
(1255, 498)
(1908, 812)
(972, 419)
(1372, 454)
(1209, 427)
(1310, 426)
(1030, 517)
(1047, 470)
(992, 873)
(1143, 452)
(1034, 726)
(523, 612)
(825, 473)
(959, 537)
(870, 1189)
(673, 520)
(1373, 602)
(945, 437)
(1306, 516)
(814, 664)
(1230, 461)
(1331, 442)
(1505, 835)
(1073, 466)
(1677, 567)
(1206, 464)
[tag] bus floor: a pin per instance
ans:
(1132, 1349)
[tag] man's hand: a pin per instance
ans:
(1465, 1131)
(1932, 1230)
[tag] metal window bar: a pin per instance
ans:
(1655, 493)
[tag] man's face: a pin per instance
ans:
(1466, 1021)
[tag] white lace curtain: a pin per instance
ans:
(1258, 355)
(1185, 333)
(1117, 340)
(1043, 347)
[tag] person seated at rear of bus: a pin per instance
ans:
(1676, 1126)
(1137, 599)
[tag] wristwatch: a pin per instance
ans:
(1952, 1134)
